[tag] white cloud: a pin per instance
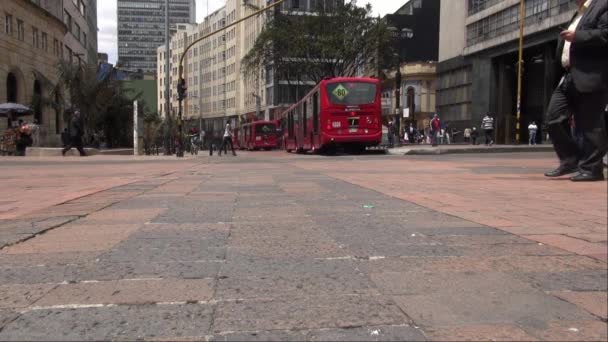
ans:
(106, 19)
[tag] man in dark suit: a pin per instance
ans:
(76, 133)
(582, 92)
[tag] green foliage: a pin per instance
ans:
(335, 42)
(102, 103)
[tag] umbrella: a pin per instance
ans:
(18, 109)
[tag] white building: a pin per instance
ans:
(218, 89)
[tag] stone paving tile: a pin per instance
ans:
(594, 302)
(238, 265)
(137, 269)
(44, 259)
(110, 323)
(576, 280)
(487, 307)
(122, 216)
(375, 333)
(442, 283)
(20, 296)
(7, 316)
(142, 291)
(294, 285)
(494, 332)
(75, 238)
(570, 331)
(573, 245)
(307, 313)
(51, 274)
(160, 255)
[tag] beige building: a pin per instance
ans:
(34, 38)
(418, 94)
(217, 88)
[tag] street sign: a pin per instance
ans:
(340, 92)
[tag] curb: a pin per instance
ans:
(481, 150)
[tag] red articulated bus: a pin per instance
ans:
(258, 135)
(338, 112)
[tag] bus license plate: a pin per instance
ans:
(353, 130)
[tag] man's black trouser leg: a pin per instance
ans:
(222, 147)
(587, 109)
(590, 119)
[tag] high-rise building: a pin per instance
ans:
(478, 54)
(218, 90)
(141, 29)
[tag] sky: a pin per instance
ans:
(106, 19)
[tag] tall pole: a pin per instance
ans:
(167, 69)
(520, 62)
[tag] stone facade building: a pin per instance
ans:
(479, 42)
(35, 35)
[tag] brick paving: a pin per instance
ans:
(273, 246)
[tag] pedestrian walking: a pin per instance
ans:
(581, 93)
(391, 134)
(24, 139)
(474, 135)
(75, 132)
(487, 124)
(435, 129)
(227, 140)
(532, 129)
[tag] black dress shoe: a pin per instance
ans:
(562, 171)
(588, 177)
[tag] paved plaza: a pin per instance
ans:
(276, 246)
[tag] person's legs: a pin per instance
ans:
(219, 152)
(558, 114)
(590, 120)
(77, 143)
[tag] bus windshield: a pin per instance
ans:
(265, 128)
(351, 93)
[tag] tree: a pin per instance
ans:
(340, 41)
(101, 101)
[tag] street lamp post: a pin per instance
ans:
(520, 61)
(399, 35)
(181, 85)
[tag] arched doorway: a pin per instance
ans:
(411, 101)
(11, 88)
(37, 102)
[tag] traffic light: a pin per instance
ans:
(181, 89)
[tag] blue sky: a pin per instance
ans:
(106, 18)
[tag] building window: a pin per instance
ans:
(295, 3)
(82, 8)
(55, 47)
(67, 20)
(35, 38)
(45, 42)
(8, 24)
(20, 30)
(77, 31)
(70, 54)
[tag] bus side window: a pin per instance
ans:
(315, 113)
(305, 118)
(290, 124)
